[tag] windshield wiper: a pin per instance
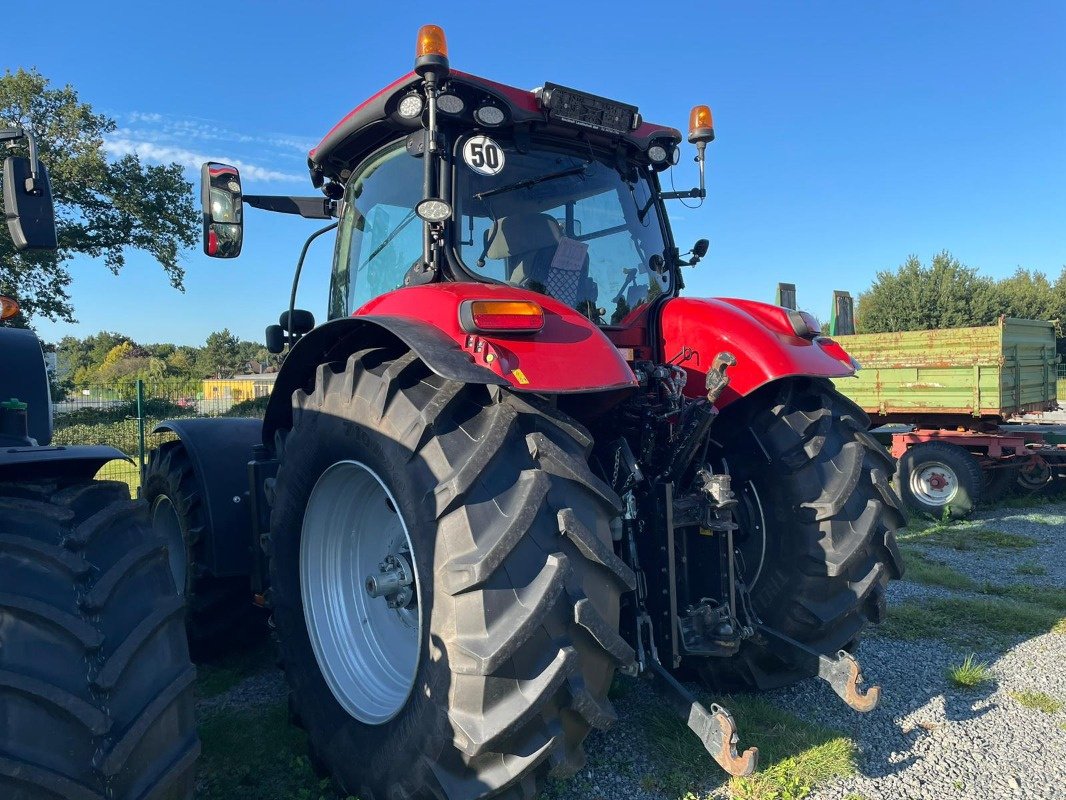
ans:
(388, 239)
(551, 176)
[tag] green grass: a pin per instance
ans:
(1038, 701)
(921, 568)
(1030, 568)
(960, 536)
(973, 623)
(794, 755)
(121, 471)
(222, 674)
(257, 753)
(969, 673)
(1049, 596)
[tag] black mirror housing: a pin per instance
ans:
(28, 206)
(302, 321)
(223, 210)
(700, 248)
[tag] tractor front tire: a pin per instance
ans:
(818, 516)
(96, 687)
(518, 587)
(221, 615)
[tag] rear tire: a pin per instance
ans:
(518, 585)
(828, 513)
(221, 615)
(96, 687)
(938, 478)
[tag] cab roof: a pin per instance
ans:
(376, 121)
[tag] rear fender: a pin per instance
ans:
(694, 331)
(220, 450)
(57, 461)
(570, 355)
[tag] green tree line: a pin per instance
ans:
(115, 360)
(948, 294)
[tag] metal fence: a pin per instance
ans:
(124, 416)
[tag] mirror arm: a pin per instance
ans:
(11, 136)
(698, 193)
(296, 277)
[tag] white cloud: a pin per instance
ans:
(154, 151)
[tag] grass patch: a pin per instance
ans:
(923, 569)
(121, 471)
(961, 537)
(1038, 701)
(1030, 568)
(1049, 596)
(257, 753)
(969, 673)
(794, 755)
(971, 622)
(222, 674)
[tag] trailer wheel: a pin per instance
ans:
(221, 615)
(938, 478)
(444, 586)
(817, 515)
(96, 687)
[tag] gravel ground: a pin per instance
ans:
(926, 740)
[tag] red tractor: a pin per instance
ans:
(515, 459)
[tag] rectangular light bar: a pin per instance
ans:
(588, 110)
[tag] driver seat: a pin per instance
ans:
(527, 243)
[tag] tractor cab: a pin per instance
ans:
(445, 176)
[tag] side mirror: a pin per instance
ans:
(700, 248)
(302, 321)
(31, 217)
(223, 207)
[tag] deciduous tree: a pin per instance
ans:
(103, 207)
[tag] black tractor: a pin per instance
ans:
(96, 686)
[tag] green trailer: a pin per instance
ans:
(955, 375)
(949, 392)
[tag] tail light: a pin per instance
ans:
(500, 316)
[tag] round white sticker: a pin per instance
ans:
(483, 155)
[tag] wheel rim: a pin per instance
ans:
(364, 621)
(934, 483)
(165, 522)
(1035, 474)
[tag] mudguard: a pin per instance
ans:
(59, 461)
(569, 355)
(220, 450)
(760, 335)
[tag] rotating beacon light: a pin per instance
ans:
(700, 132)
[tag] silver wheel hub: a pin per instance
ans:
(934, 483)
(359, 585)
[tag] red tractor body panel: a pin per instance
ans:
(569, 354)
(760, 335)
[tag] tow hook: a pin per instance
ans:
(715, 728)
(842, 673)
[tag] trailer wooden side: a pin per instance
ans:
(989, 373)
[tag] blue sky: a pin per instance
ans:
(850, 134)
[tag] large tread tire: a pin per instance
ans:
(521, 591)
(221, 616)
(830, 515)
(96, 686)
(964, 469)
